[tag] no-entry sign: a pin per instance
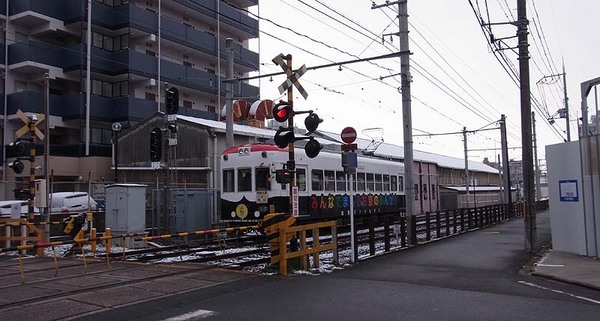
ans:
(348, 135)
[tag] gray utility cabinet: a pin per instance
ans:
(126, 207)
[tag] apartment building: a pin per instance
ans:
(136, 49)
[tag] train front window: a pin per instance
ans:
(394, 182)
(228, 181)
(262, 175)
(370, 183)
(244, 179)
(378, 183)
(386, 183)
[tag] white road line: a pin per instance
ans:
(195, 315)
(560, 292)
(549, 265)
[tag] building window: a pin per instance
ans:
(151, 53)
(187, 104)
(211, 108)
(432, 191)
(151, 96)
(425, 191)
(416, 192)
(96, 87)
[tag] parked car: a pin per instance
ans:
(60, 203)
(72, 202)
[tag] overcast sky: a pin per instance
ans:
(457, 80)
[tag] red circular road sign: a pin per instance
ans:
(348, 135)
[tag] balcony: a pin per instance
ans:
(30, 13)
(229, 15)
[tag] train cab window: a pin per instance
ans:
(360, 182)
(378, 183)
(386, 183)
(263, 175)
(301, 179)
(244, 179)
(394, 183)
(370, 183)
(317, 180)
(401, 183)
(330, 181)
(228, 181)
(340, 181)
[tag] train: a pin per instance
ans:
(249, 188)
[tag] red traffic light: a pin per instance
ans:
(282, 111)
(283, 176)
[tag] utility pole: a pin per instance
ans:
(229, 93)
(530, 217)
(538, 191)
(466, 164)
(505, 164)
(566, 102)
(406, 110)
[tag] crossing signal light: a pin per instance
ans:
(284, 136)
(311, 122)
(17, 166)
(21, 148)
(283, 176)
(155, 144)
(172, 100)
(312, 148)
(21, 193)
(282, 111)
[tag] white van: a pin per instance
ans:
(71, 202)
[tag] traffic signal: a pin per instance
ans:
(21, 148)
(284, 136)
(17, 166)
(155, 144)
(172, 100)
(282, 111)
(311, 122)
(312, 148)
(21, 193)
(283, 176)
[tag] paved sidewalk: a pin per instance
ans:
(569, 267)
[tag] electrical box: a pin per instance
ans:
(126, 208)
(41, 195)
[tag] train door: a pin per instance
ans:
(302, 183)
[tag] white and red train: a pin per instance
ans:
(249, 189)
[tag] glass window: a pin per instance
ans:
(97, 39)
(96, 135)
(416, 192)
(108, 43)
(124, 42)
(317, 180)
(394, 183)
(425, 191)
(329, 180)
(360, 182)
(244, 179)
(386, 183)
(340, 181)
(263, 175)
(108, 92)
(432, 191)
(301, 179)
(124, 88)
(401, 183)
(96, 87)
(228, 183)
(378, 183)
(370, 183)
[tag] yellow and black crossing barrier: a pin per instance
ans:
(201, 232)
(271, 225)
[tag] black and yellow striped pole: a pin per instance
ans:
(32, 130)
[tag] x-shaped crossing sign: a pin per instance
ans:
(36, 118)
(292, 77)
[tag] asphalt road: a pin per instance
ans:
(474, 276)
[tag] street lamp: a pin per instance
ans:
(116, 128)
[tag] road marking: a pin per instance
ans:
(560, 292)
(549, 265)
(195, 315)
